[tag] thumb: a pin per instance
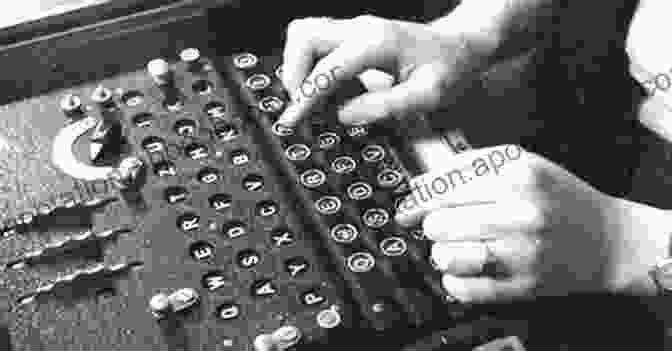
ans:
(426, 89)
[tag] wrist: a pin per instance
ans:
(644, 242)
(478, 28)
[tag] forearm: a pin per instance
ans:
(505, 26)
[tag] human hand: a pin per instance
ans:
(510, 224)
(430, 66)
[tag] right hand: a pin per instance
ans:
(544, 230)
(429, 66)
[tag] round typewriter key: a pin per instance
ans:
(328, 205)
(185, 127)
(153, 144)
(296, 266)
(220, 202)
(215, 109)
(202, 87)
(159, 305)
(201, 251)
(375, 217)
(267, 208)
(393, 246)
(253, 182)
(228, 311)
(175, 194)
(258, 82)
(234, 229)
(343, 165)
(183, 298)
(282, 130)
(328, 319)
(282, 237)
(297, 152)
(240, 157)
(328, 140)
(102, 96)
(248, 258)
(208, 175)
(226, 132)
(378, 307)
(359, 191)
(191, 57)
(271, 104)
(286, 336)
(278, 72)
(245, 60)
(360, 262)
(389, 178)
(312, 178)
(71, 105)
(196, 151)
(373, 153)
(188, 221)
(264, 288)
(357, 132)
(143, 120)
(312, 297)
(214, 280)
(344, 233)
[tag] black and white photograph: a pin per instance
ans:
(429, 175)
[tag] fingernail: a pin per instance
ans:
(287, 116)
(456, 287)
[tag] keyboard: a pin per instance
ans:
(151, 199)
(215, 226)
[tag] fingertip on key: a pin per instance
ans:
(407, 213)
(406, 220)
(290, 116)
(456, 287)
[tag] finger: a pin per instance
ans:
(376, 80)
(473, 177)
(510, 255)
(342, 64)
(485, 290)
(482, 221)
(463, 258)
(419, 93)
(308, 39)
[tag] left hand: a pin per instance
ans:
(544, 230)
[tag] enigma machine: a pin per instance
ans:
(150, 202)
